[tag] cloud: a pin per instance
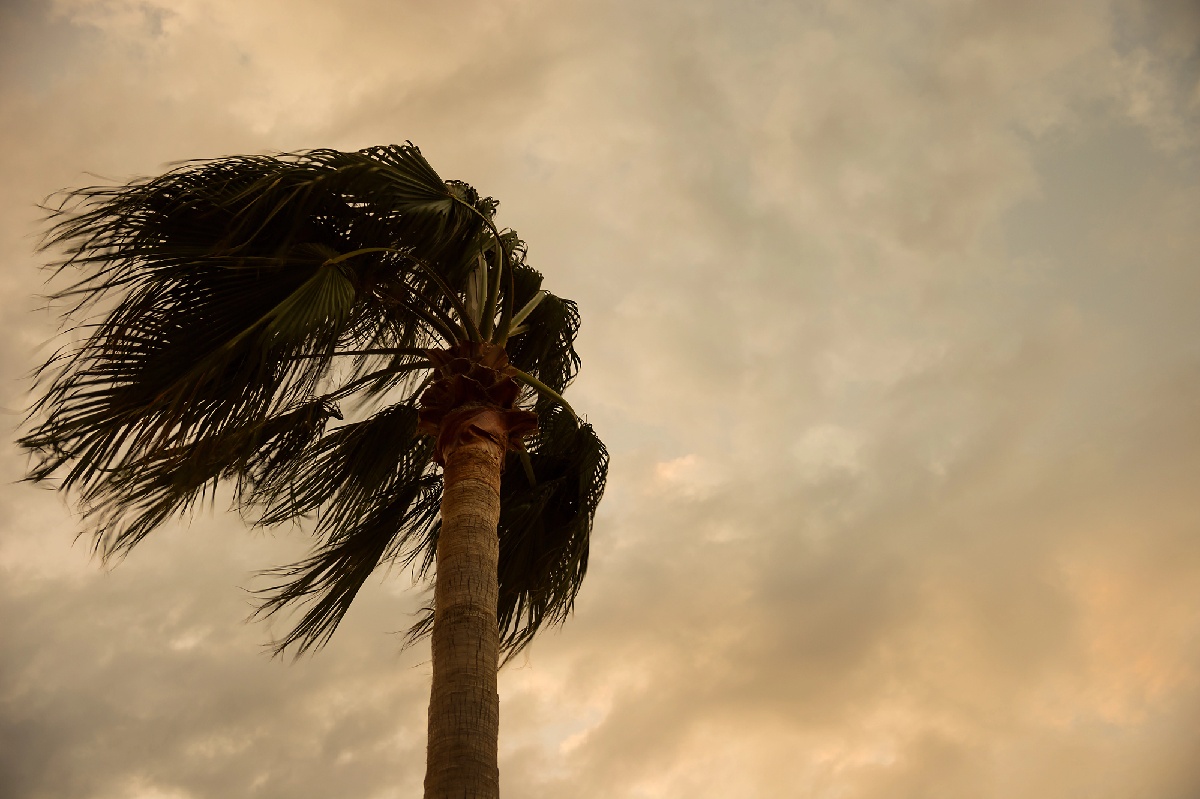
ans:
(888, 324)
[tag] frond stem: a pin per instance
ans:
(440, 326)
(513, 324)
(493, 294)
(544, 390)
(471, 328)
(353, 384)
(527, 465)
(376, 351)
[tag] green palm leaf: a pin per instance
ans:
(224, 309)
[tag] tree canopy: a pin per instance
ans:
(269, 322)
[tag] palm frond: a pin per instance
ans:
(224, 309)
(168, 481)
(217, 275)
(375, 499)
(545, 528)
(338, 474)
(329, 579)
(546, 350)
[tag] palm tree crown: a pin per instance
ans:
(225, 313)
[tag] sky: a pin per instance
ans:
(889, 323)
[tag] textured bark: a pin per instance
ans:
(464, 708)
(470, 409)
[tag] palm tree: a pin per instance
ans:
(221, 315)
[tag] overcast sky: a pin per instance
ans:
(891, 327)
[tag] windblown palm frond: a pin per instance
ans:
(376, 500)
(223, 314)
(545, 527)
(546, 348)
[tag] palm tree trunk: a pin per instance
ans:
(464, 707)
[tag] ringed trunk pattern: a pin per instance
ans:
(464, 708)
(470, 408)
